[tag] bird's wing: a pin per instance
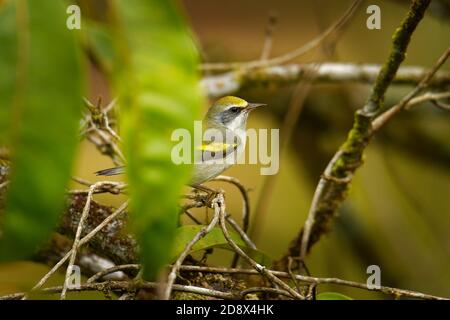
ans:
(216, 150)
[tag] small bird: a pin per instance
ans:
(228, 116)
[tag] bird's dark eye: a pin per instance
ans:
(235, 109)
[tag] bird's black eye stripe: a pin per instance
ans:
(235, 109)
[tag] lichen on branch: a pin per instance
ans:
(333, 186)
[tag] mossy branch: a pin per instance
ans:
(334, 183)
(400, 41)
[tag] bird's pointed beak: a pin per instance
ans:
(252, 106)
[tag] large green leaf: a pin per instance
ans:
(214, 239)
(157, 83)
(40, 101)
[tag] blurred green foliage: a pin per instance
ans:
(157, 82)
(40, 98)
(151, 54)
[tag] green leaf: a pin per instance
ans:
(332, 296)
(158, 86)
(214, 239)
(40, 100)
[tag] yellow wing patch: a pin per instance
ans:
(216, 150)
(216, 146)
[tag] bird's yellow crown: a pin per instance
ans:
(231, 100)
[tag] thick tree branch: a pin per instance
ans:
(329, 72)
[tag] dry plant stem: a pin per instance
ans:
(105, 272)
(305, 279)
(175, 268)
(245, 198)
(76, 241)
(340, 23)
(428, 96)
(315, 280)
(241, 232)
(98, 131)
(268, 39)
(82, 181)
(112, 187)
(441, 105)
(219, 208)
(4, 184)
(266, 290)
(291, 273)
(191, 216)
(332, 188)
(128, 286)
(83, 241)
(381, 120)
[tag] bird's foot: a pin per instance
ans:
(209, 196)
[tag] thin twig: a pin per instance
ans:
(268, 37)
(127, 286)
(245, 198)
(316, 280)
(112, 187)
(76, 241)
(219, 208)
(382, 119)
(82, 181)
(97, 129)
(83, 241)
(101, 274)
(249, 243)
(176, 266)
(340, 23)
(4, 184)
(266, 290)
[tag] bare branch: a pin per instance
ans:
(245, 199)
(219, 207)
(335, 27)
(83, 241)
(328, 72)
(409, 99)
(316, 280)
(126, 286)
(174, 271)
(268, 39)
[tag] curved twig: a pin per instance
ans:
(339, 24)
(174, 270)
(219, 208)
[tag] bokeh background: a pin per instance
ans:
(397, 215)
